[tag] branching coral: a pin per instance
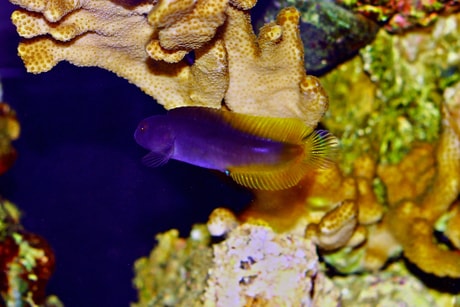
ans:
(264, 76)
(336, 227)
(267, 75)
(181, 26)
(331, 34)
(107, 35)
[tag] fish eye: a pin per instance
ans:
(143, 127)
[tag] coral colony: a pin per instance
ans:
(394, 107)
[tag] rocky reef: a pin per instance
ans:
(405, 120)
(27, 263)
(26, 259)
(390, 199)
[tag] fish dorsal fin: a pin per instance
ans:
(319, 151)
(289, 130)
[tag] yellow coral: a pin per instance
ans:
(370, 210)
(52, 10)
(263, 76)
(111, 36)
(181, 26)
(412, 223)
(453, 226)
(411, 177)
(336, 227)
(9, 131)
(267, 75)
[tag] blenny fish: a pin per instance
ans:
(261, 153)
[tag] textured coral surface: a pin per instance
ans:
(253, 266)
(409, 125)
(395, 108)
(261, 76)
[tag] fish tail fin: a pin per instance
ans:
(320, 149)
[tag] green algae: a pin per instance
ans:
(389, 97)
(175, 273)
(26, 260)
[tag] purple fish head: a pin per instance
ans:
(155, 134)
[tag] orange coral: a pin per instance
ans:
(411, 177)
(453, 226)
(412, 221)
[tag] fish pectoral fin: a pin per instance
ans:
(272, 178)
(155, 159)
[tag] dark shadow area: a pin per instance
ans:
(441, 284)
(79, 180)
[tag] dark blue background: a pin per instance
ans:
(79, 181)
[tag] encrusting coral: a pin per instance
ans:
(253, 266)
(416, 173)
(412, 223)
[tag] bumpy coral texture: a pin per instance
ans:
(412, 222)
(252, 266)
(412, 169)
(256, 267)
(175, 272)
(147, 43)
(267, 74)
(111, 36)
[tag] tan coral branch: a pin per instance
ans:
(412, 223)
(107, 35)
(267, 75)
